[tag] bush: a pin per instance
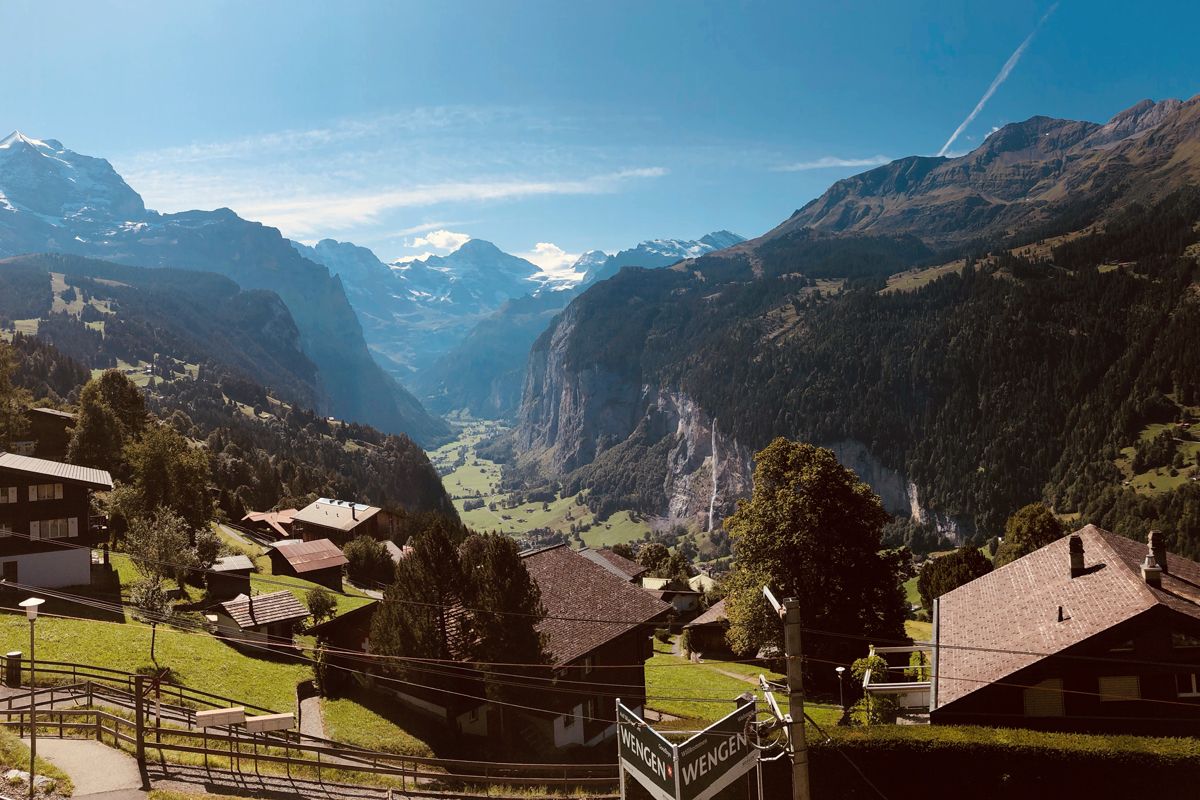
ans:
(321, 603)
(995, 763)
(369, 562)
(663, 635)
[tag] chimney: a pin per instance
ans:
(1151, 571)
(353, 511)
(1158, 545)
(1075, 544)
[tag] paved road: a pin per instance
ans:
(99, 772)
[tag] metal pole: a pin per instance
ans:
(32, 710)
(793, 651)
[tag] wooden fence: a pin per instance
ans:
(164, 721)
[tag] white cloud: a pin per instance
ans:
(550, 258)
(307, 214)
(446, 241)
(826, 162)
(1000, 78)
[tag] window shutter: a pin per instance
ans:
(1119, 687)
(12, 494)
(73, 527)
(32, 493)
(1045, 699)
(35, 530)
(58, 491)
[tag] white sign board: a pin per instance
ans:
(270, 722)
(220, 716)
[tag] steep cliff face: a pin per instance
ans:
(569, 415)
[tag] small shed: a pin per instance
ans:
(265, 619)
(230, 576)
(706, 633)
(319, 561)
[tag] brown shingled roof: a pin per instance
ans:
(714, 616)
(1001, 622)
(614, 562)
(576, 588)
(264, 609)
(308, 556)
(91, 478)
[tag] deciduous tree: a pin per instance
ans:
(811, 530)
(946, 573)
(1032, 527)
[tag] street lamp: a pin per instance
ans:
(31, 611)
(841, 673)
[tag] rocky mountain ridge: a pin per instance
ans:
(745, 336)
(56, 200)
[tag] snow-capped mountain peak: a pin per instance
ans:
(44, 178)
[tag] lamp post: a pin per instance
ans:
(841, 673)
(31, 611)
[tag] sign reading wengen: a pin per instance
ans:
(696, 769)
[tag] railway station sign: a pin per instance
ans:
(695, 769)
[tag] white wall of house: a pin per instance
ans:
(66, 567)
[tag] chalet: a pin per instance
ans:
(319, 561)
(615, 563)
(1093, 632)
(336, 520)
(265, 619)
(706, 633)
(684, 599)
(46, 533)
(47, 434)
(575, 590)
(271, 524)
(229, 576)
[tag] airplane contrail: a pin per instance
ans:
(997, 81)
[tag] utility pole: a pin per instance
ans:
(793, 652)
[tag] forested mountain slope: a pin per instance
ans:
(1009, 378)
(55, 200)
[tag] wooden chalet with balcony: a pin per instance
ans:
(46, 534)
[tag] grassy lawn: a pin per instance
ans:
(910, 591)
(200, 661)
(919, 631)
(668, 675)
(371, 721)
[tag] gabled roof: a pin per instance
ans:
(354, 618)
(309, 556)
(575, 589)
(275, 519)
(54, 412)
(714, 616)
(1001, 622)
(614, 563)
(264, 609)
(232, 564)
(341, 515)
(69, 473)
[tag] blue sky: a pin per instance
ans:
(574, 125)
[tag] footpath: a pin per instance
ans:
(98, 771)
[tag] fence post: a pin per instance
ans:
(140, 717)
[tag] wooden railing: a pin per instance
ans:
(290, 749)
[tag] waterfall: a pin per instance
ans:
(712, 501)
